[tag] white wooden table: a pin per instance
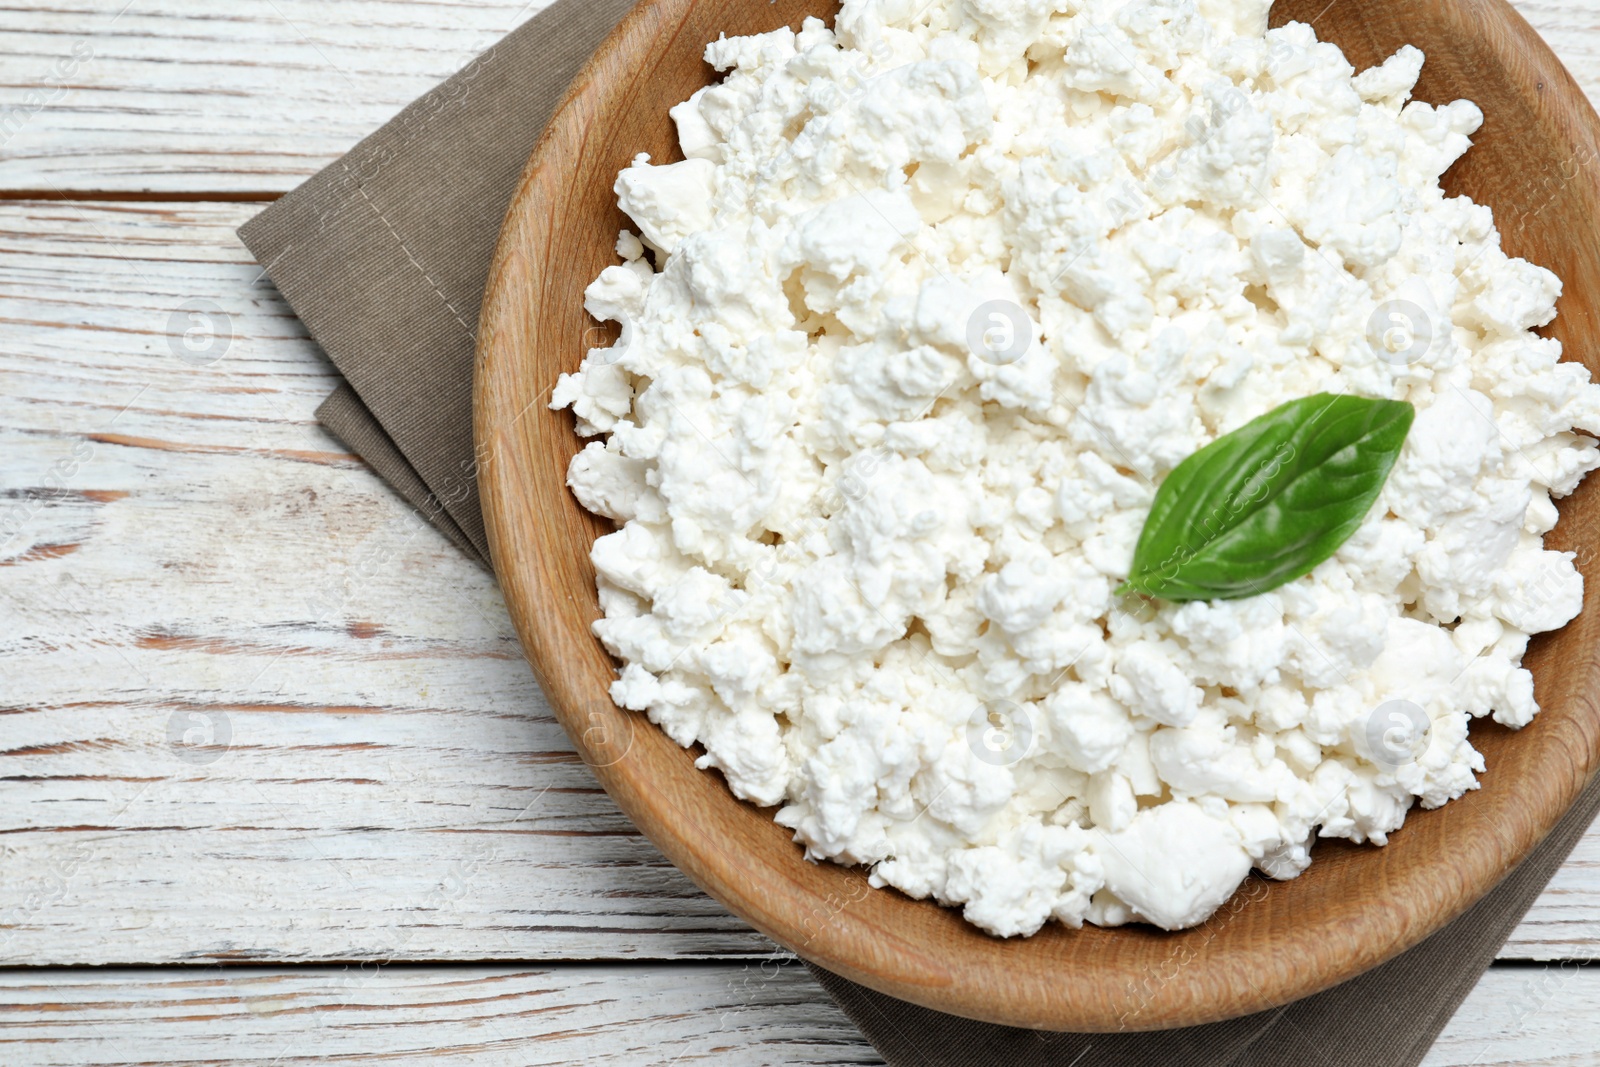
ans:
(278, 785)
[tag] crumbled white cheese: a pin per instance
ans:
(933, 303)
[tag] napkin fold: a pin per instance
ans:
(384, 255)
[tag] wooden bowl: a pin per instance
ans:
(1535, 162)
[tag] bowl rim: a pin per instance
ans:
(863, 948)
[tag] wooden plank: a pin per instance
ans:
(765, 1012)
(581, 1014)
(253, 708)
(186, 97)
(1524, 1017)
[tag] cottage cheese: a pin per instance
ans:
(933, 302)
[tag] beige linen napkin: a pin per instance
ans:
(384, 255)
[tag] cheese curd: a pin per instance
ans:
(932, 304)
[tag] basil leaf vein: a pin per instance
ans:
(1263, 505)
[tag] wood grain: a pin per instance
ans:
(765, 1013)
(180, 544)
(1355, 907)
(196, 97)
(582, 1014)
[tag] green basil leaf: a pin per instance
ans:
(1265, 504)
